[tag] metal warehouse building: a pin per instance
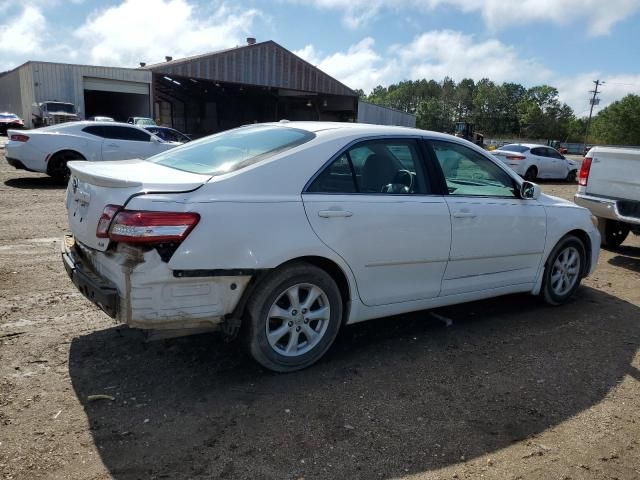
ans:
(203, 94)
(114, 92)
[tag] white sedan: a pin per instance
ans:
(48, 149)
(287, 231)
(532, 161)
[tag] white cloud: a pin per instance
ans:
(22, 34)
(116, 35)
(575, 90)
(497, 14)
(432, 55)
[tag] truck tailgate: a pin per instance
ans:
(615, 173)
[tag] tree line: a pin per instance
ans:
(505, 110)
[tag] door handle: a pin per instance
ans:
(113, 145)
(334, 213)
(464, 215)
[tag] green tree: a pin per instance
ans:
(619, 123)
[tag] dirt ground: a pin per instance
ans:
(513, 389)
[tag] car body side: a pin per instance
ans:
(253, 221)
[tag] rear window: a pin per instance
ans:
(232, 150)
(514, 148)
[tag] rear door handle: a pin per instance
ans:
(334, 213)
(113, 145)
(464, 215)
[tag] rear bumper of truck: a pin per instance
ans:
(137, 288)
(609, 208)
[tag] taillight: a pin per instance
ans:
(516, 157)
(102, 230)
(19, 137)
(583, 177)
(152, 227)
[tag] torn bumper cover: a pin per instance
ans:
(136, 287)
(99, 290)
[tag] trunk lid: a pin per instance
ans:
(94, 185)
(614, 173)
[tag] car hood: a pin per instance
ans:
(551, 201)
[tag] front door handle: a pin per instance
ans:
(113, 145)
(464, 215)
(334, 213)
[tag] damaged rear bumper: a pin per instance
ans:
(137, 288)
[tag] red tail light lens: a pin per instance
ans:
(152, 227)
(515, 157)
(102, 230)
(19, 138)
(583, 177)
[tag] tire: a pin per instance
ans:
(612, 233)
(270, 309)
(57, 167)
(571, 176)
(531, 174)
(564, 270)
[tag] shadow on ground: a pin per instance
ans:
(35, 182)
(393, 396)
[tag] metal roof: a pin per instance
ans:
(263, 64)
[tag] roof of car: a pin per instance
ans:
(528, 145)
(361, 128)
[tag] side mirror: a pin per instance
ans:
(530, 191)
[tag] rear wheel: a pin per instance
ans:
(58, 168)
(612, 233)
(564, 270)
(531, 174)
(293, 317)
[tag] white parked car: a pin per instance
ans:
(48, 149)
(532, 161)
(609, 186)
(294, 229)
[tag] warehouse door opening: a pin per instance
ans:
(116, 99)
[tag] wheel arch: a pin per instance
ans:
(331, 267)
(62, 151)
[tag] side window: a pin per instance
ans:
(375, 167)
(553, 153)
(94, 130)
(471, 174)
(538, 152)
(336, 178)
(126, 133)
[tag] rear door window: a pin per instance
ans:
(126, 133)
(539, 151)
(94, 130)
(390, 166)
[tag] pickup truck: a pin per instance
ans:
(609, 186)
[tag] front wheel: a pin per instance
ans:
(571, 176)
(564, 270)
(293, 317)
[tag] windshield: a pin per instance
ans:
(60, 107)
(8, 115)
(232, 150)
(514, 148)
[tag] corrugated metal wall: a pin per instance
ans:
(64, 82)
(10, 94)
(264, 64)
(379, 115)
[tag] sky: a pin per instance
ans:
(363, 43)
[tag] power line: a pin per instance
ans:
(594, 101)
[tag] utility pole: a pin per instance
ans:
(594, 101)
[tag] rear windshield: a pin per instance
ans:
(8, 115)
(514, 148)
(232, 150)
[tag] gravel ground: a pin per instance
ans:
(512, 389)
